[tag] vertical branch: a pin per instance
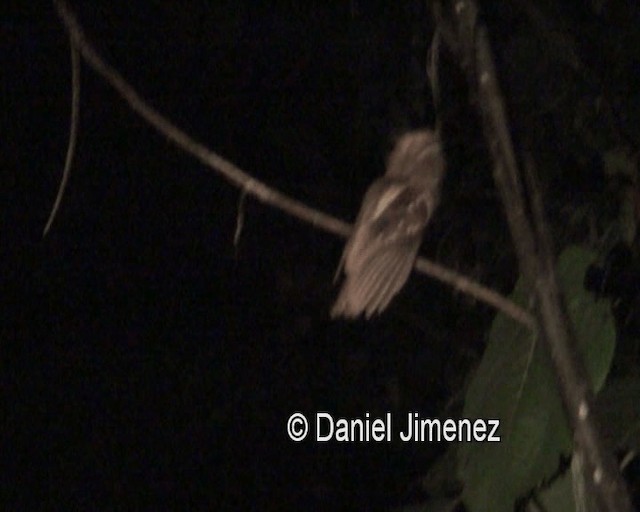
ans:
(536, 263)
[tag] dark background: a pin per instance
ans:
(147, 362)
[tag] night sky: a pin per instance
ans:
(150, 363)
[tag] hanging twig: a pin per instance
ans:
(239, 220)
(73, 133)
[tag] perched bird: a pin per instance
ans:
(383, 246)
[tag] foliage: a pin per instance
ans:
(515, 384)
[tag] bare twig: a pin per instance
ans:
(239, 220)
(433, 58)
(257, 189)
(73, 133)
(476, 290)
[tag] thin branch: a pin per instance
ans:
(212, 160)
(73, 133)
(433, 59)
(257, 189)
(476, 290)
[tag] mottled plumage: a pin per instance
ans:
(382, 249)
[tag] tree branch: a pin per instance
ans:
(536, 263)
(251, 186)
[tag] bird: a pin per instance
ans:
(383, 246)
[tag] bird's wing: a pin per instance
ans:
(381, 251)
(377, 281)
(380, 207)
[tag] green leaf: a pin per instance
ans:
(514, 383)
(558, 497)
(620, 412)
(563, 493)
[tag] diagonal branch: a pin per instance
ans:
(251, 186)
(532, 244)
